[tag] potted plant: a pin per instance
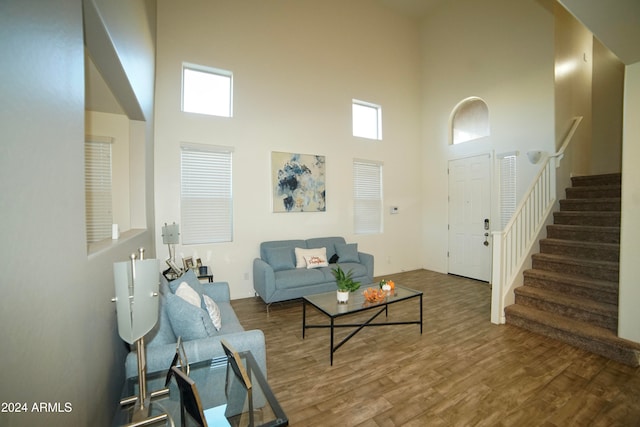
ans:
(345, 283)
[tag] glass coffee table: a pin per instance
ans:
(328, 305)
(225, 401)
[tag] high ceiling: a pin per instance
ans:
(615, 23)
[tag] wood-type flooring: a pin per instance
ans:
(462, 370)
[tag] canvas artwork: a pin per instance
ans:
(298, 182)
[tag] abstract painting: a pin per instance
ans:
(298, 182)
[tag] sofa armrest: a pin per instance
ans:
(264, 279)
(218, 291)
(159, 357)
(367, 261)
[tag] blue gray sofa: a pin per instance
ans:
(276, 277)
(200, 338)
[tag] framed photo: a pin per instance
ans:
(233, 359)
(298, 182)
(188, 263)
(198, 262)
(174, 267)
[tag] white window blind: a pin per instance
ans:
(367, 195)
(98, 204)
(507, 189)
(206, 201)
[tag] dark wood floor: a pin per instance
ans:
(462, 371)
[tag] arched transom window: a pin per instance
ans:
(469, 120)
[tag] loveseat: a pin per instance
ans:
(200, 337)
(289, 269)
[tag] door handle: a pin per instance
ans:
(486, 239)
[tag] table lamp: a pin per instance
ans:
(171, 237)
(136, 285)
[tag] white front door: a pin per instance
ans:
(469, 215)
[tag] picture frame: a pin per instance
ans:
(198, 262)
(190, 402)
(188, 263)
(174, 267)
(233, 359)
(298, 182)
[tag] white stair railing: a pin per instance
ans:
(513, 246)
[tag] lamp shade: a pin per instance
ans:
(136, 297)
(171, 234)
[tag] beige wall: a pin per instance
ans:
(502, 52)
(297, 66)
(59, 336)
(629, 315)
(607, 97)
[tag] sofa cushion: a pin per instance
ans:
(299, 277)
(161, 332)
(188, 321)
(347, 252)
(280, 258)
(357, 269)
(326, 242)
(280, 244)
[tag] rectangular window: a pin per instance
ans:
(367, 120)
(206, 202)
(207, 91)
(507, 189)
(367, 196)
(98, 188)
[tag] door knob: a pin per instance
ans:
(486, 239)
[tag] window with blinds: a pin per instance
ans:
(98, 188)
(206, 202)
(507, 189)
(367, 197)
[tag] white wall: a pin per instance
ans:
(629, 297)
(498, 50)
(297, 66)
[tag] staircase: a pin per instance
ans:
(571, 293)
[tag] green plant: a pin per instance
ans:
(344, 281)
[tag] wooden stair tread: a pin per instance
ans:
(611, 265)
(571, 326)
(576, 302)
(576, 280)
(581, 243)
(592, 228)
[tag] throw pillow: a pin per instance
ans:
(214, 311)
(279, 258)
(314, 261)
(302, 253)
(187, 293)
(192, 280)
(347, 252)
(334, 259)
(188, 321)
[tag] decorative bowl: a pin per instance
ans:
(374, 295)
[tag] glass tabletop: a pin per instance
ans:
(327, 302)
(223, 397)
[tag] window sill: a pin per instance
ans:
(104, 245)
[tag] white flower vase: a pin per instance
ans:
(343, 296)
